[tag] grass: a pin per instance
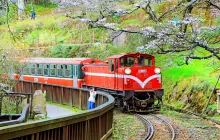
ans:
(73, 109)
(121, 122)
(41, 9)
(217, 117)
(213, 106)
(204, 70)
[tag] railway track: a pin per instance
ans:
(150, 127)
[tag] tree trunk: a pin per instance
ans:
(20, 9)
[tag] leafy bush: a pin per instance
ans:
(12, 14)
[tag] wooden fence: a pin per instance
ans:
(90, 125)
(15, 118)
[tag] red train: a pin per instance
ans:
(132, 79)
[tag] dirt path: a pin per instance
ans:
(54, 111)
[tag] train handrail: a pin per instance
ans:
(29, 128)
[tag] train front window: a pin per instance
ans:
(144, 61)
(127, 61)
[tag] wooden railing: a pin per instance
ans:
(16, 118)
(90, 125)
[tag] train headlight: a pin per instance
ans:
(157, 70)
(127, 71)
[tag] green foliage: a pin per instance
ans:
(217, 21)
(160, 8)
(61, 51)
(212, 106)
(115, 18)
(135, 40)
(30, 7)
(131, 22)
(42, 9)
(9, 107)
(12, 15)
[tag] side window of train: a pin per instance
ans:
(149, 62)
(53, 70)
(46, 69)
(26, 69)
(33, 69)
(39, 69)
(111, 66)
(60, 70)
(67, 70)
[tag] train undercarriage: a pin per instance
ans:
(139, 101)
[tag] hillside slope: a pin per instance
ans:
(186, 86)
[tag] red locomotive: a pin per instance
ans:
(131, 78)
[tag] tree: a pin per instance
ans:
(176, 30)
(8, 66)
(21, 7)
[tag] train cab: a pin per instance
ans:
(134, 72)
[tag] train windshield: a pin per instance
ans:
(144, 61)
(127, 61)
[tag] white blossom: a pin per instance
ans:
(85, 20)
(102, 21)
(110, 25)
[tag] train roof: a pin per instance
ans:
(62, 60)
(130, 54)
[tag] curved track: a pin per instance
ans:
(168, 124)
(150, 127)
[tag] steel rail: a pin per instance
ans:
(168, 124)
(150, 128)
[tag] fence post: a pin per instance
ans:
(17, 104)
(71, 98)
(80, 99)
(51, 93)
(61, 98)
(65, 133)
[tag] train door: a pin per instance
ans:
(112, 79)
(75, 76)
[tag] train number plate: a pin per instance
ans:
(142, 71)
